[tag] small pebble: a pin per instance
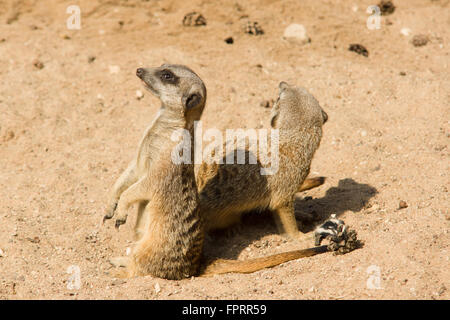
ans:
(114, 69)
(34, 240)
(405, 31)
(2, 254)
(359, 49)
(38, 64)
(296, 33)
(253, 28)
(420, 40)
(267, 103)
(9, 135)
(386, 7)
(91, 59)
(229, 40)
(402, 204)
(118, 282)
(194, 19)
(139, 94)
(157, 288)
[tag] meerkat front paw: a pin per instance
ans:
(121, 218)
(110, 211)
(119, 262)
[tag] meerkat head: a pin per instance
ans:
(296, 105)
(179, 88)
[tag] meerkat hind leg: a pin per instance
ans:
(287, 224)
(141, 221)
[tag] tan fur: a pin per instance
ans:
(172, 229)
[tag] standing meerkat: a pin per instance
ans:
(172, 238)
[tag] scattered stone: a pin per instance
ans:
(118, 282)
(9, 135)
(34, 240)
(91, 59)
(92, 237)
(402, 73)
(194, 19)
(420, 40)
(157, 288)
(253, 28)
(402, 205)
(267, 103)
(376, 168)
(296, 33)
(442, 289)
(229, 40)
(386, 7)
(66, 37)
(359, 49)
(2, 254)
(114, 69)
(139, 94)
(38, 64)
(405, 31)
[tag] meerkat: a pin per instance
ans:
(172, 243)
(228, 190)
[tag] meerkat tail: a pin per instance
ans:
(311, 183)
(221, 266)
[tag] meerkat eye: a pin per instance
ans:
(166, 75)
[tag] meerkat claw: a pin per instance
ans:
(119, 222)
(110, 213)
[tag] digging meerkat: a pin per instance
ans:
(172, 240)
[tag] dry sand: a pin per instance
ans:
(70, 122)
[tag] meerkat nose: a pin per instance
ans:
(140, 72)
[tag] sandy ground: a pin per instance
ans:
(70, 123)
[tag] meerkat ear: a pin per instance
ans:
(283, 85)
(191, 100)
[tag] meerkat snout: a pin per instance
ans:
(324, 116)
(140, 72)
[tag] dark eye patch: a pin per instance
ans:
(168, 76)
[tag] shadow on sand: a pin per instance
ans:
(348, 195)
